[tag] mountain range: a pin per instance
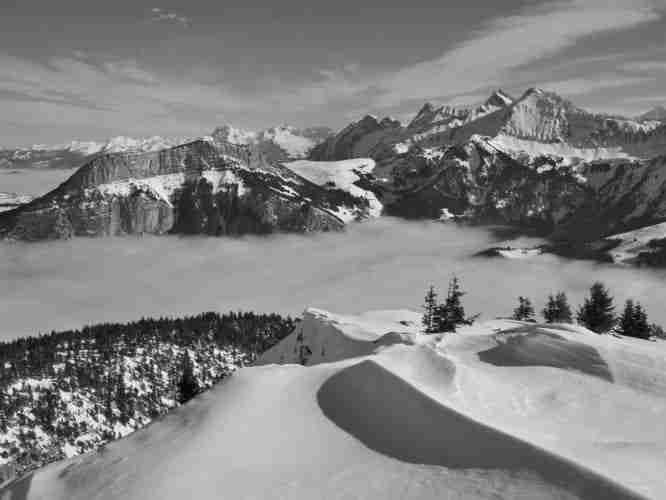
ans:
(537, 162)
(280, 143)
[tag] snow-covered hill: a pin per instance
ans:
(499, 410)
(345, 175)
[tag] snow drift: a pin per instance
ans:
(384, 411)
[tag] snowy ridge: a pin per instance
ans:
(341, 175)
(162, 187)
(631, 243)
(324, 337)
(295, 143)
(389, 405)
(569, 155)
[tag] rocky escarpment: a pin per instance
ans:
(537, 161)
(205, 186)
(366, 137)
(480, 183)
(539, 122)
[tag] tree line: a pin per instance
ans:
(76, 389)
(597, 313)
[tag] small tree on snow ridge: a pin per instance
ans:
(525, 310)
(430, 311)
(557, 309)
(597, 312)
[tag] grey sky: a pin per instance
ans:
(90, 70)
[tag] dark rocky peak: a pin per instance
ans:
(427, 115)
(389, 122)
(547, 98)
(499, 99)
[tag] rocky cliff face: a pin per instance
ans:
(206, 186)
(538, 122)
(537, 161)
(359, 139)
(481, 183)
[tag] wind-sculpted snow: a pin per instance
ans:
(531, 346)
(323, 337)
(391, 414)
(392, 417)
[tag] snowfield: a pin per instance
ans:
(570, 155)
(501, 409)
(341, 175)
(633, 242)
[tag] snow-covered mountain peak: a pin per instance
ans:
(499, 98)
(229, 133)
(279, 143)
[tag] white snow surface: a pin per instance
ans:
(633, 242)
(341, 175)
(384, 411)
(288, 138)
(160, 186)
(520, 253)
(122, 144)
(570, 155)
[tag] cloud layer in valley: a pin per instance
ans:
(69, 284)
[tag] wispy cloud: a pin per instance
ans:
(580, 86)
(161, 15)
(107, 95)
(507, 43)
(645, 66)
(124, 95)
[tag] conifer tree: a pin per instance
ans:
(451, 313)
(188, 387)
(625, 324)
(597, 312)
(641, 325)
(563, 308)
(525, 310)
(557, 309)
(430, 311)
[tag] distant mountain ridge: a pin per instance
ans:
(536, 162)
(537, 120)
(278, 143)
(658, 114)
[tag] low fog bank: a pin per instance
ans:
(32, 182)
(382, 264)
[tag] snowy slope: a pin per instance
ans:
(501, 410)
(290, 142)
(340, 175)
(631, 243)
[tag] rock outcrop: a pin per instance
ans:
(202, 187)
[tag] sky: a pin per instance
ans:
(75, 69)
